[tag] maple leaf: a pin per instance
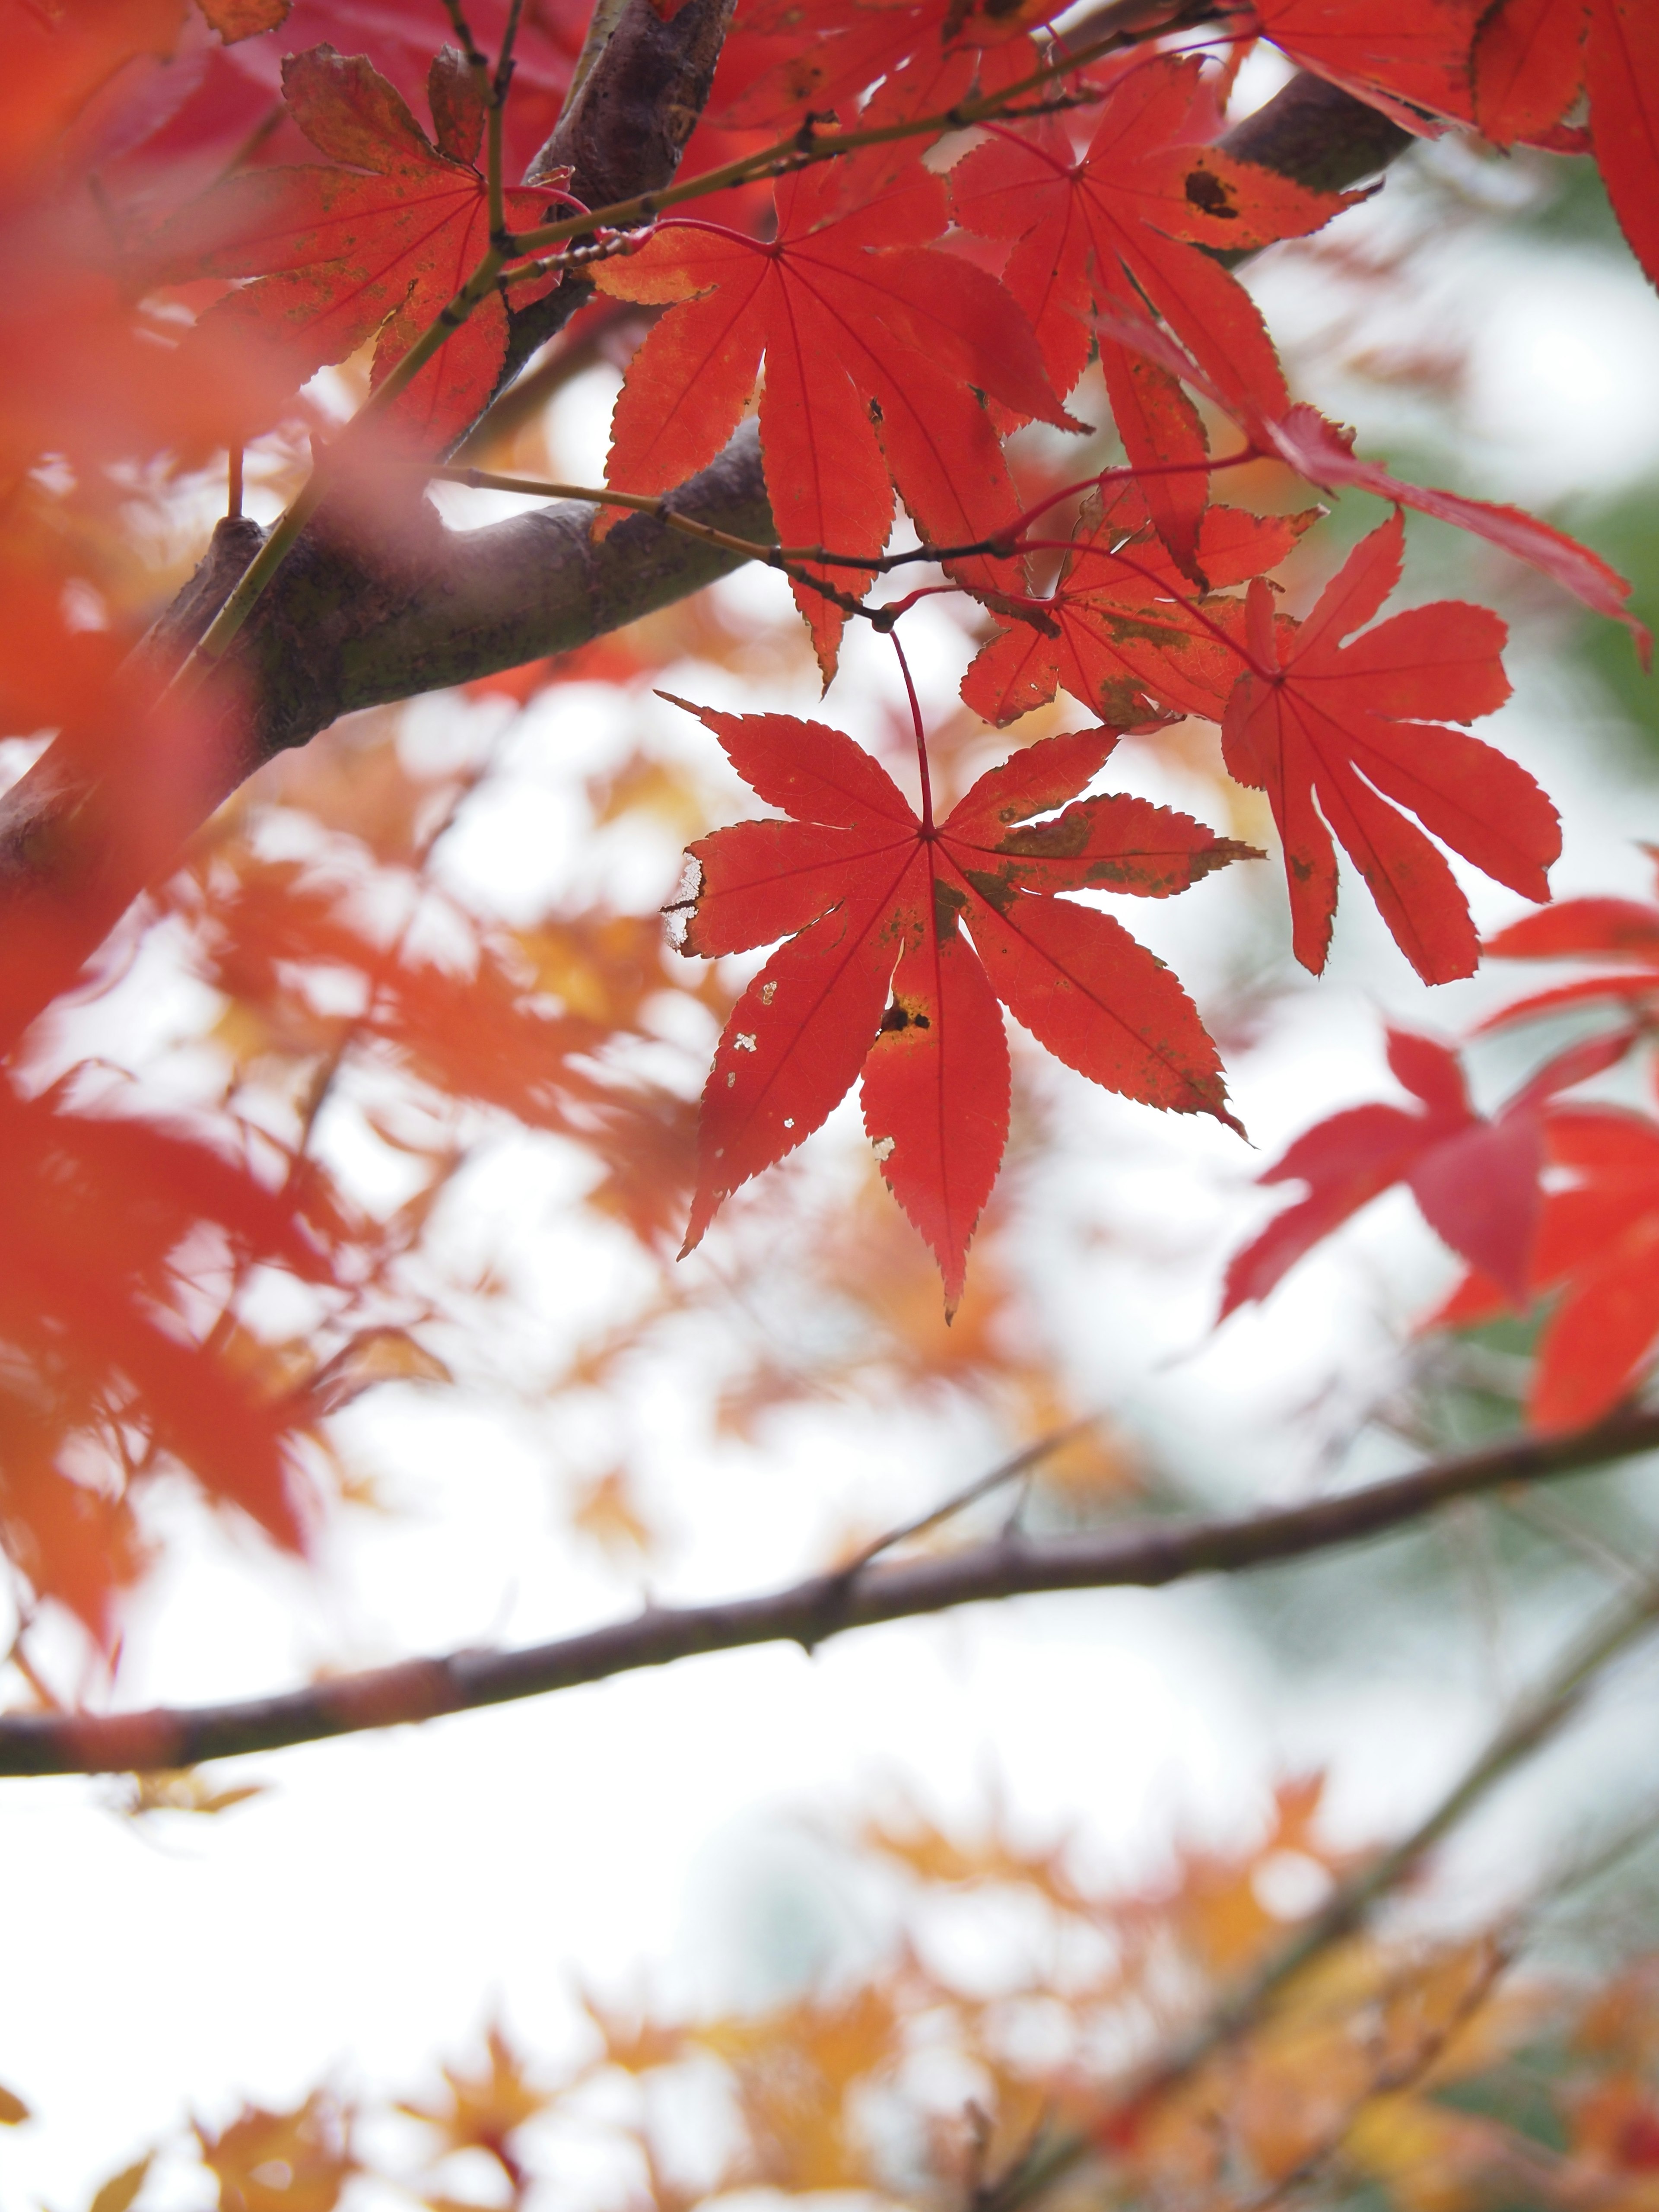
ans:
(484, 2110)
(1617, 929)
(1324, 454)
(1597, 1250)
(1121, 633)
(217, 114)
(1411, 61)
(295, 2162)
(926, 54)
(875, 346)
(1531, 59)
(58, 59)
(953, 918)
(380, 246)
(93, 1308)
(1337, 731)
(1476, 1181)
(1141, 212)
(236, 20)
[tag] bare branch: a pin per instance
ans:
(1145, 1555)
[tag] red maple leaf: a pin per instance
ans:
(1412, 61)
(1324, 453)
(926, 54)
(1333, 732)
(872, 341)
(1140, 213)
(382, 246)
(1477, 1182)
(1597, 1251)
(1122, 633)
(1532, 58)
(951, 919)
(1617, 929)
(220, 118)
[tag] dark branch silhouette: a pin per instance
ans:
(356, 620)
(1144, 1554)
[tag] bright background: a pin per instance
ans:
(675, 1837)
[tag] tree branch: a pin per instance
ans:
(1145, 1555)
(359, 617)
(1527, 1728)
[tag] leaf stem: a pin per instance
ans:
(921, 740)
(227, 625)
(1143, 20)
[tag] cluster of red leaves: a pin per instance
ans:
(373, 247)
(871, 348)
(114, 1228)
(899, 319)
(1552, 1203)
(1515, 69)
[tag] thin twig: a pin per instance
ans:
(1141, 19)
(1142, 1554)
(1530, 1725)
(1135, 21)
(1020, 1462)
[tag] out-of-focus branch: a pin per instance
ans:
(1529, 1727)
(83, 832)
(1144, 1554)
(1318, 135)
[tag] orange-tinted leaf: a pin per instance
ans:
(343, 253)
(234, 19)
(295, 2162)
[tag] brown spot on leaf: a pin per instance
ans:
(1050, 841)
(1206, 190)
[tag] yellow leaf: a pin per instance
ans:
(182, 1789)
(121, 2189)
(605, 1510)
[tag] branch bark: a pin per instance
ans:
(1147, 1555)
(357, 618)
